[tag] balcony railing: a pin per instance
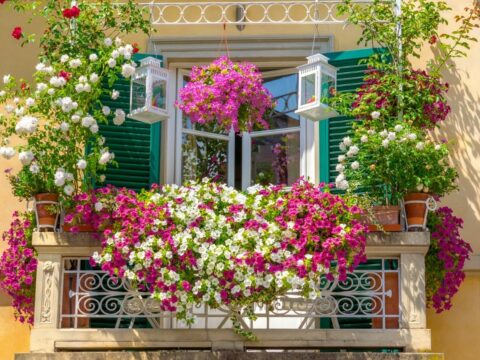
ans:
(381, 305)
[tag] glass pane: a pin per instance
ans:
(159, 91)
(139, 91)
(308, 88)
(276, 159)
(284, 89)
(328, 84)
(204, 157)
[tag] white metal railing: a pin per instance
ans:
(369, 297)
(246, 12)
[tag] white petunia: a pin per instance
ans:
(115, 94)
(111, 63)
(93, 57)
(7, 152)
(64, 58)
(119, 118)
(106, 110)
(68, 190)
(34, 169)
(375, 115)
(127, 70)
(420, 146)
(26, 157)
(82, 164)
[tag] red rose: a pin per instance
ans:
(25, 87)
(73, 12)
(17, 33)
(2, 1)
(135, 48)
(433, 40)
(64, 74)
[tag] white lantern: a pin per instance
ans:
(148, 93)
(316, 80)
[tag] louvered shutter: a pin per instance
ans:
(351, 72)
(136, 145)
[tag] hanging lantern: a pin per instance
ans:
(317, 81)
(148, 94)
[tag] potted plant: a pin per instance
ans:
(396, 165)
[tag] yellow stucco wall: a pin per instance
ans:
(455, 332)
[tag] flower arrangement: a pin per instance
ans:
(18, 265)
(207, 243)
(445, 259)
(394, 162)
(227, 94)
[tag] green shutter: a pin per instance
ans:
(136, 145)
(351, 72)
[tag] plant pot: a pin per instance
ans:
(416, 209)
(386, 216)
(78, 228)
(46, 220)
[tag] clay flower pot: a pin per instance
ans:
(386, 216)
(46, 218)
(416, 209)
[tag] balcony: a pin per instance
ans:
(380, 306)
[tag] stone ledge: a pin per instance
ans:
(228, 356)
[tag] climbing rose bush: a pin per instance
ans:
(228, 94)
(207, 243)
(18, 265)
(445, 259)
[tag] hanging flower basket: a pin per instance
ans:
(228, 94)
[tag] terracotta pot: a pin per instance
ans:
(46, 217)
(386, 216)
(78, 228)
(416, 211)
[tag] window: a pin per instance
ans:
(276, 155)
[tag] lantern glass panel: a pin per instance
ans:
(159, 93)
(308, 88)
(139, 92)
(327, 86)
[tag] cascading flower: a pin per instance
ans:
(228, 94)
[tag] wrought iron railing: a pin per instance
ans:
(369, 298)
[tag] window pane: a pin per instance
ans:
(276, 159)
(204, 157)
(285, 92)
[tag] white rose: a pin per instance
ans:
(364, 139)
(112, 63)
(341, 158)
(419, 187)
(342, 185)
(7, 79)
(75, 63)
(127, 70)
(49, 70)
(119, 118)
(391, 136)
(385, 143)
(106, 110)
(102, 178)
(88, 121)
(340, 168)
(26, 125)
(93, 57)
(412, 136)
(64, 58)
(398, 128)
(355, 165)
(118, 42)
(9, 108)
(68, 190)
(2, 93)
(353, 151)
(82, 164)
(79, 88)
(105, 158)
(75, 118)
(7, 152)
(107, 42)
(93, 78)
(40, 67)
(64, 126)
(115, 94)
(94, 128)
(420, 146)
(29, 102)
(342, 146)
(51, 91)
(115, 54)
(20, 111)
(87, 88)
(26, 157)
(375, 115)
(438, 147)
(347, 141)
(384, 133)
(41, 86)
